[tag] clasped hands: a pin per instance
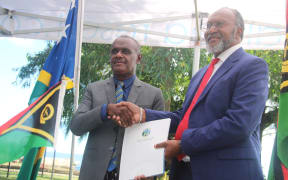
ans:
(125, 114)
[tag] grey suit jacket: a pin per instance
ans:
(102, 134)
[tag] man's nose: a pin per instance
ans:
(212, 28)
(119, 54)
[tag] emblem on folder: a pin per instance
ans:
(146, 132)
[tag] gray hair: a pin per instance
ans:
(239, 22)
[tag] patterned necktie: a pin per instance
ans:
(184, 122)
(119, 92)
(119, 97)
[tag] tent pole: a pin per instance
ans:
(80, 19)
(196, 60)
(72, 158)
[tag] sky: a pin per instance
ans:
(14, 98)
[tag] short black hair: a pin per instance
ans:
(129, 37)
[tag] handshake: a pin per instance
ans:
(126, 114)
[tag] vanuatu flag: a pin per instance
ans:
(59, 65)
(33, 127)
(60, 62)
(279, 160)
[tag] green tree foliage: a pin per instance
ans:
(274, 61)
(94, 66)
(169, 69)
(166, 68)
(28, 74)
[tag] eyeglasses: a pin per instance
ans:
(125, 51)
(215, 24)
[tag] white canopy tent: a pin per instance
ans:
(167, 23)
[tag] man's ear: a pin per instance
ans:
(239, 32)
(139, 57)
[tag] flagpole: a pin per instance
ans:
(53, 164)
(43, 163)
(59, 109)
(8, 169)
(197, 47)
(80, 19)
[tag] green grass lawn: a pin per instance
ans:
(46, 176)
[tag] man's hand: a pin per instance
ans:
(142, 177)
(120, 114)
(129, 115)
(172, 148)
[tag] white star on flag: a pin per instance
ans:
(63, 33)
(72, 4)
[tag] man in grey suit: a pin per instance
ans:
(103, 149)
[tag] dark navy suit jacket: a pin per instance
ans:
(223, 135)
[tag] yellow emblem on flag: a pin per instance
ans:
(47, 113)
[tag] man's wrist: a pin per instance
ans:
(143, 115)
(141, 112)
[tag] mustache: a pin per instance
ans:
(214, 35)
(118, 60)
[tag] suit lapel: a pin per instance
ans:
(135, 91)
(225, 67)
(110, 91)
(195, 81)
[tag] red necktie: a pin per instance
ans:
(184, 122)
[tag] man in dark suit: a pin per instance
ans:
(221, 138)
(103, 149)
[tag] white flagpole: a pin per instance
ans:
(197, 48)
(80, 19)
(59, 109)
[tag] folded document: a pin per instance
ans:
(139, 157)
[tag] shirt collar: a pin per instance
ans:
(127, 82)
(225, 54)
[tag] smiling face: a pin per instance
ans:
(124, 57)
(222, 32)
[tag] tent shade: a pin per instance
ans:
(166, 23)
